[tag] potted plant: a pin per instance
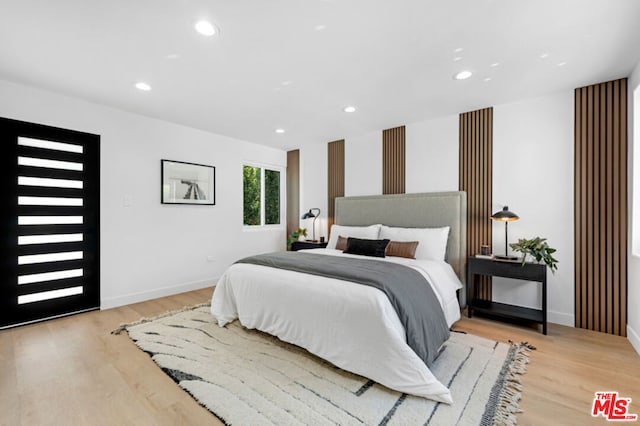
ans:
(539, 249)
(295, 235)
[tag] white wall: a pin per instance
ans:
(313, 187)
(533, 174)
(431, 160)
(363, 164)
(147, 249)
(431, 165)
(633, 286)
(529, 136)
(432, 155)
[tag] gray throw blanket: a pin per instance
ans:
(408, 291)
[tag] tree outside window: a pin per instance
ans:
(272, 197)
(261, 189)
(252, 185)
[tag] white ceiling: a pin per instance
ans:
(295, 64)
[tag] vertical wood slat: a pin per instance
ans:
(488, 179)
(475, 177)
(335, 182)
(578, 211)
(621, 193)
(393, 160)
(606, 125)
(601, 207)
(587, 201)
(293, 190)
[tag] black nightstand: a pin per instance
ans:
(306, 245)
(528, 272)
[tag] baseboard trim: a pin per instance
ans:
(114, 302)
(634, 338)
(561, 318)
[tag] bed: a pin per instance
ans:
(355, 326)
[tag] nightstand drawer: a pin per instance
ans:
(507, 269)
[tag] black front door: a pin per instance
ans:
(49, 222)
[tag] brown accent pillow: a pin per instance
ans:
(342, 243)
(402, 249)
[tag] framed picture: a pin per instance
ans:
(187, 183)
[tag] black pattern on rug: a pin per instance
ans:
(248, 377)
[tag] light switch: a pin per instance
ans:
(127, 200)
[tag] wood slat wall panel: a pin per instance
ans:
(621, 192)
(293, 190)
(393, 160)
(335, 183)
(601, 207)
(475, 177)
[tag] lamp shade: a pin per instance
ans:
(505, 215)
(310, 214)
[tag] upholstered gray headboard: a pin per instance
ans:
(421, 210)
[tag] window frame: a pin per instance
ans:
(282, 196)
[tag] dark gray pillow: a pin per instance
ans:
(375, 248)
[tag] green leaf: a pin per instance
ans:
(538, 248)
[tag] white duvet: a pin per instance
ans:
(351, 325)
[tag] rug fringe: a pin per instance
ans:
(509, 398)
(123, 327)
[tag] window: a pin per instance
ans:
(261, 189)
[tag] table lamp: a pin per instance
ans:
(312, 213)
(505, 216)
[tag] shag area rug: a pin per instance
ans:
(246, 377)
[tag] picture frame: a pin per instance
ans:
(187, 183)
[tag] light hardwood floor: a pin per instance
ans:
(73, 371)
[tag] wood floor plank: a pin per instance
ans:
(73, 371)
(567, 368)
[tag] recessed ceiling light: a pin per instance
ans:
(286, 83)
(320, 27)
(457, 58)
(487, 79)
(463, 75)
(458, 50)
(279, 130)
(349, 109)
(495, 64)
(562, 64)
(143, 86)
(172, 56)
(205, 28)
(544, 56)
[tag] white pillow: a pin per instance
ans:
(369, 232)
(432, 241)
